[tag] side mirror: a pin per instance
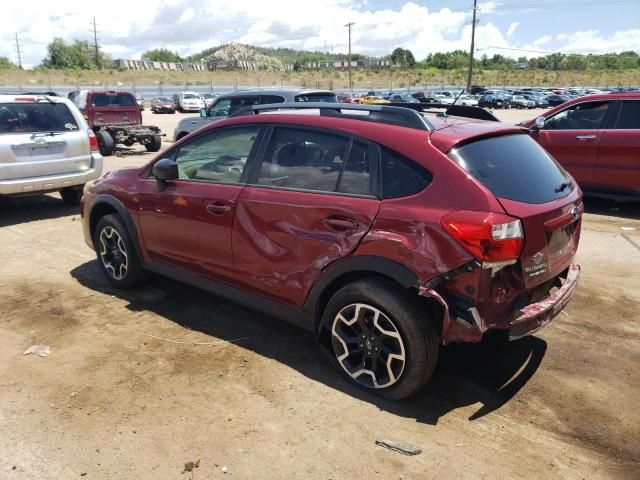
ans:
(165, 170)
(203, 112)
(539, 124)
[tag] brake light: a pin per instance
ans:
(493, 238)
(25, 99)
(93, 142)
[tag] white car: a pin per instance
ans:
(45, 146)
(190, 102)
(467, 100)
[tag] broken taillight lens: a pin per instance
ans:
(93, 142)
(491, 238)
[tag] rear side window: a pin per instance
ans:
(271, 99)
(36, 117)
(401, 176)
(308, 160)
(112, 100)
(629, 116)
(514, 167)
(317, 97)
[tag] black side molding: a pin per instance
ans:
(124, 214)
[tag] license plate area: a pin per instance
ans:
(561, 245)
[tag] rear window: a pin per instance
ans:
(514, 167)
(317, 97)
(112, 100)
(36, 117)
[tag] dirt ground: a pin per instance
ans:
(117, 399)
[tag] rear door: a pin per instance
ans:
(618, 166)
(309, 203)
(188, 224)
(572, 137)
(531, 186)
(41, 138)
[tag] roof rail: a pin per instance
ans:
(478, 113)
(392, 115)
(47, 94)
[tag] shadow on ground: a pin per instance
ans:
(490, 373)
(621, 208)
(17, 210)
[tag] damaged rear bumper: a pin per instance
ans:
(531, 318)
(537, 315)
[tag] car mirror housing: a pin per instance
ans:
(539, 123)
(203, 112)
(165, 170)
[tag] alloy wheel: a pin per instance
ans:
(368, 346)
(113, 253)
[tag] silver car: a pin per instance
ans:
(225, 105)
(45, 146)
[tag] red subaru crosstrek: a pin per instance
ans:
(383, 231)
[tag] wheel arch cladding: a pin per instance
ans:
(106, 205)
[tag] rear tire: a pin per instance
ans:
(154, 144)
(106, 143)
(72, 195)
(381, 340)
(116, 254)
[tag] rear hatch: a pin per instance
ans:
(39, 138)
(113, 108)
(531, 186)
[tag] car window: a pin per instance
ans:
(190, 96)
(271, 99)
(112, 100)
(36, 117)
(629, 116)
(316, 97)
(219, 156)
(221, 108)
(515, 167)
(582, 116)
(240, 102)
(308, 160)
(401, 176)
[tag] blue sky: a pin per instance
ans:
(188, 26)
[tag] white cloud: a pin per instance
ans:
(186, 15)
(512, 28)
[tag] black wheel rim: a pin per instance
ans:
(113, 253)
(368, 346)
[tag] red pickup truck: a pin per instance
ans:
(597, 139)
(115, 118)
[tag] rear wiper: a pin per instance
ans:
(562, 186)
(47, 99)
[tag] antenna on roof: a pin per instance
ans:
(446, 112)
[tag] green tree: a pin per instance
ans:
(79, 54)
(5, 63)
(161, 55)
(403, 58)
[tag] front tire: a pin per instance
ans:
(116, 254)
(381, 339)
(154, 143)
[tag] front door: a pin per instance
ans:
(188, 224)
(572, 137)
(309, 203)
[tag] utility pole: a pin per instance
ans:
(473, 39)
(349, 25)
(95, 42)
(19, 52)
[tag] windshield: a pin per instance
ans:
(317, 97)
(190, 96)
(36, 117)
(164, 100)
(514, 167)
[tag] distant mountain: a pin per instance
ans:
(268, 58)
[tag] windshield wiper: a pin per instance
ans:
(562, 186)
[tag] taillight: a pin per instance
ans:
(93, 142)
(493, 238)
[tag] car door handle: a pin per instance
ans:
(218, 208)
(340, 225)
(585, 137)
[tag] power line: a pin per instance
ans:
(473, 39)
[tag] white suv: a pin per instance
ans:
(45, 146)
(190, 102)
